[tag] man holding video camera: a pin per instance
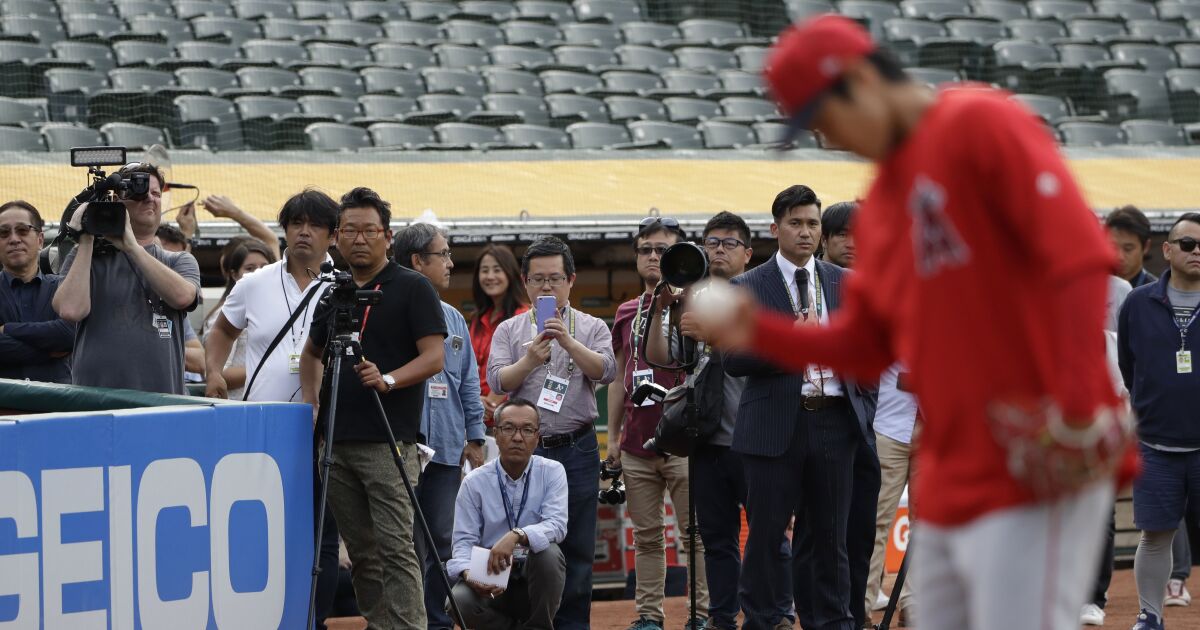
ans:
(401, 339)
(560, 368)
(130, 298)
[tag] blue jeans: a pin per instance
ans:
(436, 493)
(581, 459)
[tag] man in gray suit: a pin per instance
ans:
(799, 436)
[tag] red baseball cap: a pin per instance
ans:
(807, 60)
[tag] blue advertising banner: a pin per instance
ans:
(169, 517)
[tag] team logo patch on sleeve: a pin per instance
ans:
(937, 244)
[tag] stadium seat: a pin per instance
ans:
(1154, 132)
(65, 136)
(749, 110)
(208, 122)
(666, 134)
(259, 9)
(772, 134)
(470, 33)
(283, 53)
(94, 27)
(715, 33)
(376, 12)
(726, 135)
(566, 109)
(751, 58)
(1178, 10)
(530, 109)
(34, 8)
(1090, 134)
(651, 34)
(872, 12)
(596, 135)
(297, 30)
(623, 109)
(599, 35)
(67, 8)
(341, 82)
(1036, 30)
(691, 110)
(392, 81)
(1126, 10)
(43, 29)
(272, 80)
(131, 136)
(98, 56)
(1020, 63)
(460, 56)
(339, 55)
(447, 107)
(139, 79)
(24, 67)
(468, 136)
(1184, 94)
(521, 33)
(17, 139)
(1061, 10)
(1156, 30)
(933, 77)
(231, 30)
(139, 53)
(1188, 55)
(325, 136)
(521, 57)
(490, 10)
(586, 58)
(938, 10)
(410, 32)
(215, 82)
(170, 29)
(315, 10)
(536, 136)
(386, 105)
(546, 10)
(272, 122)
(981, 32)
(353, 32)
(422, 11)
(906, 37)
(403, 56)
(400, 136)
(214, 53)
(188, 9)
(15, 113)
(741, 82)
(800, 10)
(509, 81)
(559, 81)
(1051, 109)
(338, 108)
(129, 9)
(453, 81)
(610, 11)
(1101, 30)
(1001, 10)
(638, 57)
(690, 81)
(626, 83)
(707, 59)
(1137, 94)
(1148, 56)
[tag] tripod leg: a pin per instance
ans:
(420, 515)
(896, 590)
(691, 534)
(326, 463)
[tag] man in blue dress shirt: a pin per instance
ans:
(515, 506)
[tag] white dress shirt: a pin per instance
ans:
(814, 374)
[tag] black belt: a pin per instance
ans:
(819, 403)
(565, 439)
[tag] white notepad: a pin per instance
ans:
(479, 569)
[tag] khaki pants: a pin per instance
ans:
(646, 479)
(375, 518)
(896, 470)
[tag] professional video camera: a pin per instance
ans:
(344, 297)
(105, 214)
(614, 494)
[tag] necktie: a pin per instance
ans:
(802, 290)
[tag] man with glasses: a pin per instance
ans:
(648, 474)
(130, 298)
(516, 507)
(1157, 340)
(452, 418)
(35, 342)
(561, 369)
(401, 340)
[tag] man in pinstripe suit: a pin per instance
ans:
(799, 436)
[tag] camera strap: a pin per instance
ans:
(508, 507)
(283, 332)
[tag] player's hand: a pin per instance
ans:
(187, 220)
(474, 454)
(502, 553)
(539, 350)
(721, 314)
(369, 374)
(1055, 456)
(216, 387)
(221, 206)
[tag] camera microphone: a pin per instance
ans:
(112, 182)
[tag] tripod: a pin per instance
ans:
(343, 346)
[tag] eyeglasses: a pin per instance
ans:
(715, 243)
(1187, 244)
(445, 253)
(370, 233)
(646, 250)
(509, 430)
(22, 230)
(537, 281)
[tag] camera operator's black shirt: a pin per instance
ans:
(409, 310)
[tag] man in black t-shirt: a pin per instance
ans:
(402, 343)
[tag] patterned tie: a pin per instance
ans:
(802, 290)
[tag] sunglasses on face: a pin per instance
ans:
(1186, 244)
(22, 230)
(646, 250)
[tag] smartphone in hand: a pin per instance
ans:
(546, 308)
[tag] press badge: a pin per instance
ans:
(1183, 362)
(161, 324)
(643, 376)
(294, 363)
(439, 390)
(554, 392)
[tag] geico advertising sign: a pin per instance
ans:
(177, 518)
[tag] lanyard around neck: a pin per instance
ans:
(817, 300)
(570, 331)
(513, 522)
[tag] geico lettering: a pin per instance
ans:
(164, 484)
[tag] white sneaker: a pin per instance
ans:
(881, 601)
(1177, 594)
(1091, 615)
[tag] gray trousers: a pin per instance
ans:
(367, 494)
(529, 602)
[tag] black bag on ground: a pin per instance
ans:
(672, 436)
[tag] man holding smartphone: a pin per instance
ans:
(558, 364)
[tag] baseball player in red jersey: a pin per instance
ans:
(980, 267)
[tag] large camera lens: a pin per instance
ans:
(683, 264)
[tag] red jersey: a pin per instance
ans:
(967, 241)
(482, 329)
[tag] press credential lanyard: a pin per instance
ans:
(571, 327)
(294, 355)
(818, 301)
(508, 509)
(1183, 358)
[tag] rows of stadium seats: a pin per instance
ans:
(282, 74)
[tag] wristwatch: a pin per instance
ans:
(520, 534)
(389, 381)
(477, 442)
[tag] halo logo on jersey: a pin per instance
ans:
(937, 244)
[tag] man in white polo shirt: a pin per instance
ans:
(260, 305)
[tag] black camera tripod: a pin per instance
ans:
(343, 346)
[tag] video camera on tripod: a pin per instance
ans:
(343, 298)
(105, 195)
